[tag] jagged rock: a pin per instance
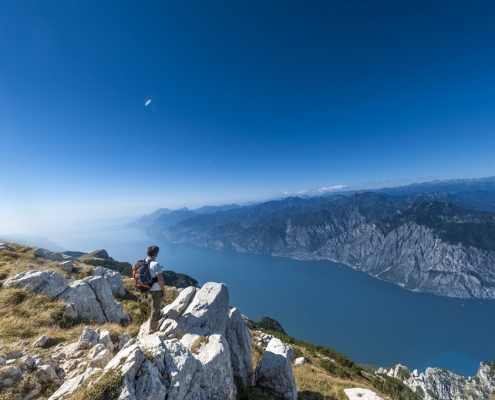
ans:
(437, 383)
(14, 355)
(123, 339)
(102, 358)
(50, 255)
(72, 384)
(66, 266)
(114, 278)
(184, 370)
(50, 283)
(92, 299)
(486, 374)
(275, 371)
(300, 361)
(41, 341)
(46, 373)
(239, 340)
(88, 339)
(176, 308)
(361, 394)
(112, 310)
(29, 361)
(84, 301)
(205, 314)
(106, 339)
(23, 343)
(6, 247)
(217, 380)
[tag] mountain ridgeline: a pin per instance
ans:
(433, 242)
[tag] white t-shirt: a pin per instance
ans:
(155, 269)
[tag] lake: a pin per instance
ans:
(368, 320)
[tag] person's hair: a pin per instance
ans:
(152, 251)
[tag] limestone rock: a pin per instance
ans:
(300, 361)
(205, 314)
(361, 394)
(114, 278)
(275, 371)
(46, 373)
(239, 340)
(88, 339)
(66, 265)
(50, 283)
(6, 247)
(71, 385)
(41, 341)
(217, 380)
(84, 301)
(50, 255)
(112, 310)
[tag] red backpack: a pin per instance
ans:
(142, 275)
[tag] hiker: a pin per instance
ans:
(157, 290)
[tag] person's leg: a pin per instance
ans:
(156, 306)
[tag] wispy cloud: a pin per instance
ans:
(286, 193)
(331, 188)
(302, 191)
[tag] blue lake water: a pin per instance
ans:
(370, 321)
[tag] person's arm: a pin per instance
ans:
(159, 277)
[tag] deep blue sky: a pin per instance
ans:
(249, 100)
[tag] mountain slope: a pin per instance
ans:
(423, 245)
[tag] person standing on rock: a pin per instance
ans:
(157, 291)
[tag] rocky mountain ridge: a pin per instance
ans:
(412, 240)
(203, 349)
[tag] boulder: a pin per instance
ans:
(88, 339)
(41, 341)
(239, 339)
(6, 247)
(300, 361)
(84, 301)
(112, 309)
(275, 371)
(50, 283)
(361, 394)
(50, 255)
(206, 313)
(66, 266)
(114, 279)
(217, 380)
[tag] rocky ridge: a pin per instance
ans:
(424, 246)
(437, 383)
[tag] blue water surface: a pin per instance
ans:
(368, 320)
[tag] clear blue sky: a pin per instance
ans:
(249, 100)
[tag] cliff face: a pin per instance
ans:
(436, 383)
(425, 246)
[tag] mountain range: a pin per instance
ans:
(440, 242)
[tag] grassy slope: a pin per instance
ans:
(27, 316)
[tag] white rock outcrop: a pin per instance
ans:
(275, 371)
(361, 394)
(50, 283)
(114, 279)
(90, 298)
(50, 255)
